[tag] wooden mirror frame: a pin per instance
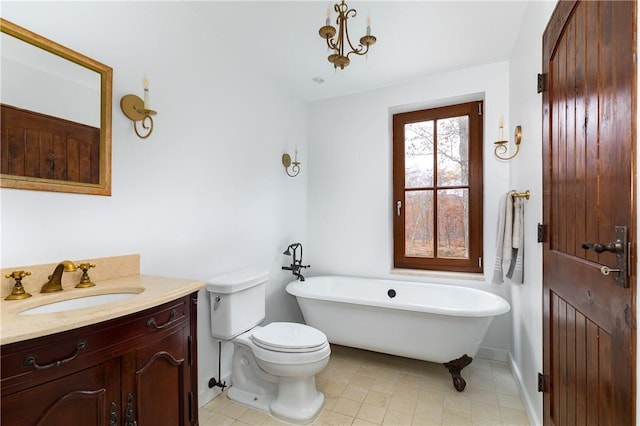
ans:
(106, 77)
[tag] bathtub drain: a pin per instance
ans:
(391, 293)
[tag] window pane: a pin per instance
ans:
(418, 154)
(453, 151)
(418, 224)
(453, 223)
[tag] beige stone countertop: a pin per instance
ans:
(153, 291)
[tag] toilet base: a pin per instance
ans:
(298, 400)
(286, 405)
(252, 399)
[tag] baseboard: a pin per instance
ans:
(528, 404)
(494, 354)
(208, 394)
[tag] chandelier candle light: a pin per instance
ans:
(338, 43)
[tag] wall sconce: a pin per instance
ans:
(501, 146)
(295, 164)
(138, 110)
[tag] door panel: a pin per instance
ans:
(588, 157)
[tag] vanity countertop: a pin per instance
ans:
(153, 291)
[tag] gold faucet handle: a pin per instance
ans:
(86, 266)
(18, 275)
(85, 280)
(17, 292)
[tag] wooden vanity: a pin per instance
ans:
(132, 362)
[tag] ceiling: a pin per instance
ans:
(415, 39)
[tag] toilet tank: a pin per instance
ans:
(237, 302)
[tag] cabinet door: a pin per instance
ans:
(162, 374)
(88, 397)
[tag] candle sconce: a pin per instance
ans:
(295, 164)
(133, 107)
(501, 146)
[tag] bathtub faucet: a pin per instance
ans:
(296, 264)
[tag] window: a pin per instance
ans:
(437, 188)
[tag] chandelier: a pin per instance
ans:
(342, 41)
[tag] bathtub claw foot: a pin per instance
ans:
(455, 367)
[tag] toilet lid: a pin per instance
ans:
(289, 337)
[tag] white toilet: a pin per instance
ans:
(274, 366)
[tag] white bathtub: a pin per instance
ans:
(431, 322)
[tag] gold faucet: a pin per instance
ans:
(55, 280)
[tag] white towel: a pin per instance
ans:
(516, 266)
(498, 274)
(510, 240)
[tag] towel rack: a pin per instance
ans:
(526, 194)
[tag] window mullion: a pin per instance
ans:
(435, 189)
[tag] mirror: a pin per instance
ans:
(56, 116)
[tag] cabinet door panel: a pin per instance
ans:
(84, 398)
(162, 379)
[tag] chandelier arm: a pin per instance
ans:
(359, 51)
(346, 31)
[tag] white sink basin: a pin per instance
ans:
(78, 303)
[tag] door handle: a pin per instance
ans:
(614, 247)
(619, 247)
(398, 207)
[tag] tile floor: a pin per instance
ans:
(368, 388)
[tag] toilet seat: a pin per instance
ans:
(288, 337)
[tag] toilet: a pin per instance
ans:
(274, 366)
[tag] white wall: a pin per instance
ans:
(206, 193)
(526, 172)
(350, 182)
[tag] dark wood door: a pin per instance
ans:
(589, 158)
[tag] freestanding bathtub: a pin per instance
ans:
(430, 322)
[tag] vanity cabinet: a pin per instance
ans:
(140, 369)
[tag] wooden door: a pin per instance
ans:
(589, 110)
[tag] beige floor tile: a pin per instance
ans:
(334, 388)
(424, 421)
(383, 385)
(429, 411)
(361, 422)
(274, 422)
(482, 396)
(233, 410)
(451, 417)
(371, 413)
(457, 402)
(254, 417)
(513, 417)
(329, 402)
(355, 393)
(362, 381)
(403, 404)
(378, 399)
(239, 423)
(217, 419)
(346, 406)
(481, 409)
(394, 418)
(368, 388)
(338, 419)
(510, 401)
(430, 396)
(483, 421)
